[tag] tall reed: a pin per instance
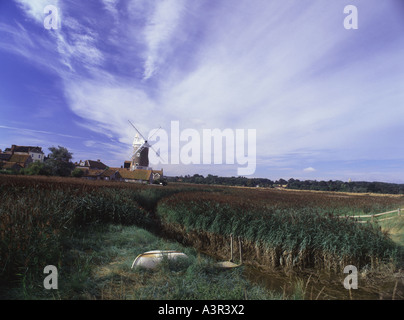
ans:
(294, 236)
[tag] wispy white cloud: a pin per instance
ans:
(111, 7)
(39, 131)
(35, 9)
(79, 45)
(159, 31)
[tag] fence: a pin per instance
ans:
(373, 216)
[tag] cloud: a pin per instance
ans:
(309, 169)
(35, 9)
(159, 31)
(39, 131)
(78, 46)
(111, 7)
(108, 105)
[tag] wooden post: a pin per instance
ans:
(399, 212)
(373, 216)
(239, 245)
(231, 248)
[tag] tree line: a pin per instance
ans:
(294, 184)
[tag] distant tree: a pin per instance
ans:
(37, 168)
(59, 161)
(373, 187)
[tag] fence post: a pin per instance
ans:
(373, 216)
(239, 245)
(399, 212)
(231, 247)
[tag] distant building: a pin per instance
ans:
(127, 164)
(15, 161)
(157, 174)
(36, 153)
(23, 160)
(11, 166)
(140, 175)
(4, 157)
(91, 164)
(137, 176)
(111, 174)
(18, 157)
(92, 174)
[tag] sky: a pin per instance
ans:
(325, 102)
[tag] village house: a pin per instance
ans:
(11, 166)
(92, 174)
(111, 174)
(137, 176)
(140, 175)
(35, 153)
(127, 164)
(16, 161)
(157, 174)
(92, 170)
(91, 164)
(23, 160)
(18, 157)
(4, 157)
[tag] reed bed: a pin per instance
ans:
(282, 233)
(292, 228)
(34, 219)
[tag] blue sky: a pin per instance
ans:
(326, 102)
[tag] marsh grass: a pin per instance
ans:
(293, 235)
(70, 223)
(394, 228)
(97, 265)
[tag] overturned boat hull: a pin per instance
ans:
(152, 259)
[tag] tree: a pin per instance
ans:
(59, 161)
(37, 168)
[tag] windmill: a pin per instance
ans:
(140, 156)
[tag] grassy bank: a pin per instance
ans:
(96, 264)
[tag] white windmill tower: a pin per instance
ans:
(140, 155)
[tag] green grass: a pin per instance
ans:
(395, 229)
(96, 264)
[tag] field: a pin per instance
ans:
(42, 220)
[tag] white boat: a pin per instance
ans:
(151, 259)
